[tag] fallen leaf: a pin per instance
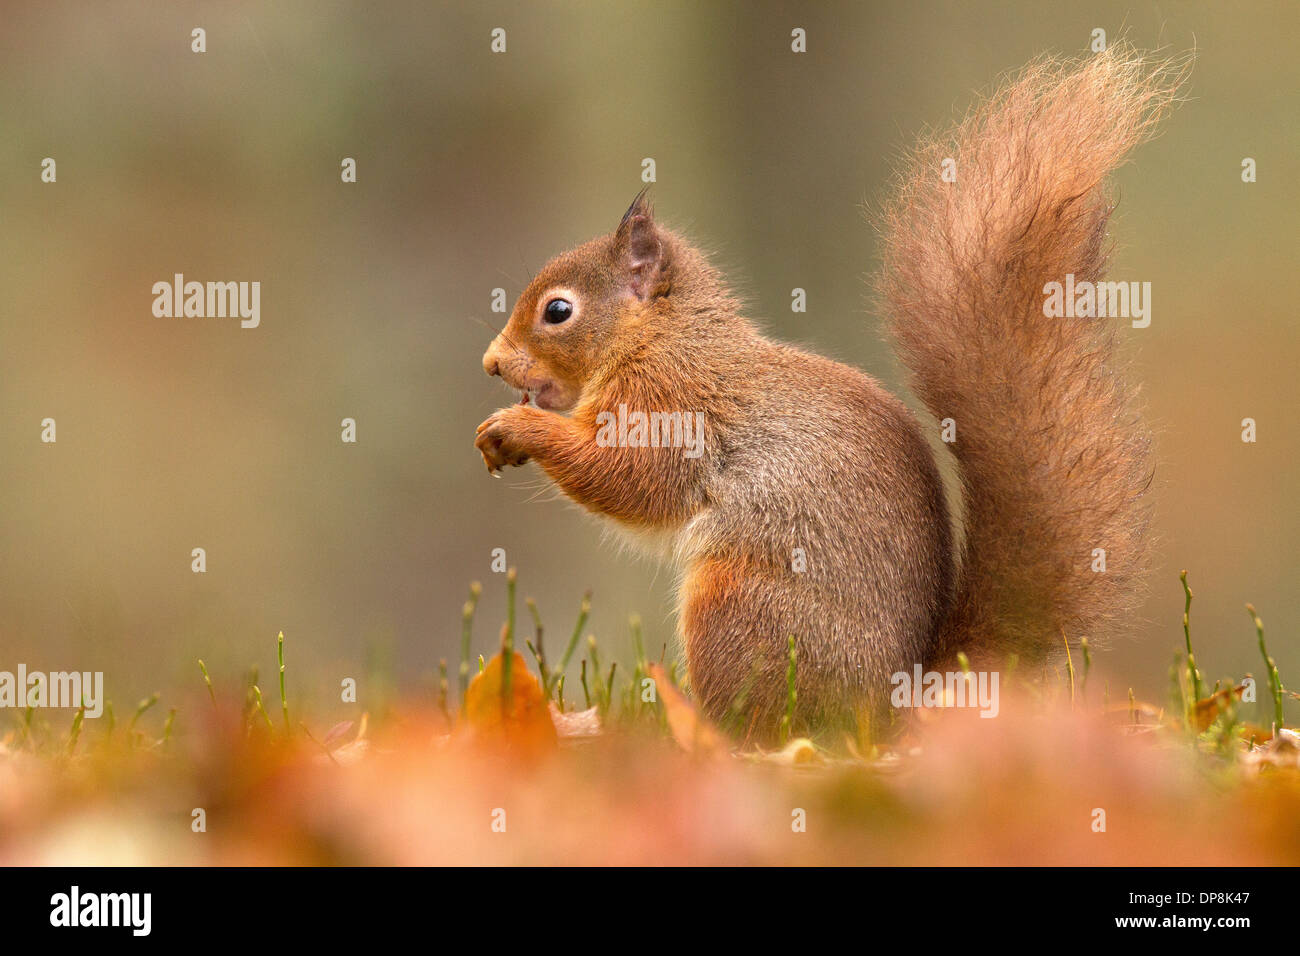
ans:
(1209, 708)
(348, 753)
(1282, 750)
(1248, 732)
(336, 733)
(521, 721)
(800, 752)
(690, 729)
(576, 723)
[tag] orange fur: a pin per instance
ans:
(1053, 461)
(816, 508)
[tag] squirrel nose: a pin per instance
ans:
(490, 363)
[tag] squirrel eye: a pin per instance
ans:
(557, 310)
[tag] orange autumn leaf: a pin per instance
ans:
(521, 721)
(690, 729)
(1254, 733)
(1208, 708)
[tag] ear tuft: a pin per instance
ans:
(640, 206)
(640, 247)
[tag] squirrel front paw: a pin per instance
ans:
(500, 441)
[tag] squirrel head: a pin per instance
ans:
(579, 312)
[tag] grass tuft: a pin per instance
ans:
(787, 720)
(1069, 665)
(442, 689)
(1270, 668)
(284, 701)
(583, 611)
(140, 709)
(1193, 675)
(466, 629)
(208, 680)
(261, 708)
(77, 719)
(508, 638)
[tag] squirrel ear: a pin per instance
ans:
(640, 248)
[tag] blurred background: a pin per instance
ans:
(472, 169)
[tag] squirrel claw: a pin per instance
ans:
(498, 446)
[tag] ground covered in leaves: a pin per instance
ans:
(499, 771)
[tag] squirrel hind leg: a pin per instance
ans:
(737, 619)
(731, 673)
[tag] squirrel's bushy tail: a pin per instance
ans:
(1053, 461)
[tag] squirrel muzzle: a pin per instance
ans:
(526, 375)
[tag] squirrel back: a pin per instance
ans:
(802, 500)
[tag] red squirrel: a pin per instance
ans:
(813, 506)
